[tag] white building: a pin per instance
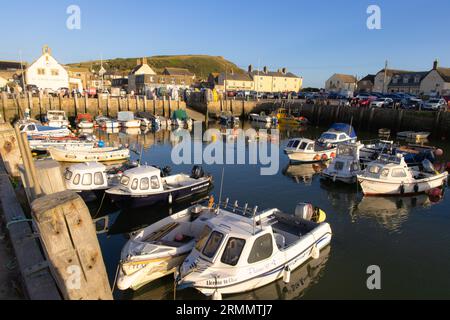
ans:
(437, 81)
(342, 83)
(142, 68)
(47, 73)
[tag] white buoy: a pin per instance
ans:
(287, 274)
(315, 252)
(170, 199)
(217, 296)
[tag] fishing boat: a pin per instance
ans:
(262, 117)
(107, 123)
(390, 175)
(147, 185)
(57, 119)
(89, 155)
(284, 118)
(127, 120)
(158, 250)
(181, 119)
(346, 166)
(243, 249)
(37, 130)
(84, 121)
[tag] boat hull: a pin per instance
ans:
(81, 156)
(348, 179)
(374, 187)
(136, 201)
(309, 156)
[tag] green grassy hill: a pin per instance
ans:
(200, 65)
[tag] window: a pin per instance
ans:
(398, 173)
(374, 169)
(87, 179)
(68, 174)
(55, 72)
(41, 71)
(233, 251)
(310, 146)
(76, 180)
(303, 145)
(125, 181)
(213, 244)
(295, 144)
(155, 182)
(342, 137)
(31, 127)
(339, 165)
(145, 184)
(203, 238)
(98, 179)
(134, 185)
(385, 173)
(262, 249)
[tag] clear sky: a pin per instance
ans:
(313, 39)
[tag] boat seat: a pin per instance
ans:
(280, 240)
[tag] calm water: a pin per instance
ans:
(409, 238)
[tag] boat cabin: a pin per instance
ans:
(142, 179)
(57, 118)
(301, 144)
(125, 116)
(338, 133)
(86, 177)
(390, 168)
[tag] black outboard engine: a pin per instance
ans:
(197, 172)
(166, 171)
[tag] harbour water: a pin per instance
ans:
(408, 238)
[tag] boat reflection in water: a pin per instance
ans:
(302, 279)
(304, 173)
(390, 212)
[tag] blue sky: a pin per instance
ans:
(313, 39)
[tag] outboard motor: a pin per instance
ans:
(197, 172)
(166, 171)
(428, 166)
(304, 211)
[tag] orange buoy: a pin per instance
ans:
(317, 157)
(333, 155)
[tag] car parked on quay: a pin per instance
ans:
(382, 103)
(435, 104)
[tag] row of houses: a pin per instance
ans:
(256, 80)
(433, 82)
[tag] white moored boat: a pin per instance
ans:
(346, 166)
(127, 120)
(88, 155)
(37, 130)
(390, 175)
(242, 250)
(324, 149)
(159, 249)
(107, 123)
(262, 117)
(57, 119)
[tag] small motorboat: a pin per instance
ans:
(127, 120)
(412, 135)
(89, 155)
(37, 130)
(384, 132)
(42, 145)
(308, 151)
(181, 119)
(161, 248)
(107, 123)
(373, 149)
(246, 249)
(227, 118)
(286, 119)
(84, 121)
(57, 119)
(346, 166)
(147, 185)
(338, 133)
(262, 117)
(390, 175)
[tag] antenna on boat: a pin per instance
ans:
(221, 190)
(140, 154)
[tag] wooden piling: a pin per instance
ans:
(86, 103)
(40, 105)
(145, 103)
(75, 99)
(4, 105)
(10, 149)
(71, 246)
(170, 106)
(128, 102)
(154, 105)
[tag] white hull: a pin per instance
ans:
(85, 125)
(348, 179)
(311, 156)
(131, 124)
(382, 187)
(97, 154)
(42, 145)
(259, 118)
(50, 133)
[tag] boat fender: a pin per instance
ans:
(287, 274)
(333, 155)
(402, 189)
(217, 296)
(324, 157)
(416, 188)
(317, 158)
(315, 252)
(170, 199)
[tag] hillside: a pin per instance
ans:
(200, 65)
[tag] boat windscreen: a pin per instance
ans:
(203, 238)
(328, 136)
(213, 244)
(233, 251)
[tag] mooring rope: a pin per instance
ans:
(17, 220)
(101, 205)
(115, 279)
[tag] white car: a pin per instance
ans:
(435, 104)
(382, 102)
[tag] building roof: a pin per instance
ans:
(236, 76)
(369, 77)
(409, 77)
(273, 74)
(346, 78)
(444, 73)
(178, 72)
(11, 65)
(391, 72)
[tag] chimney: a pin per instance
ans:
(265, 70)
(435, 64)
(138, 62)
(144, 60)
(250, 69)
(284, 70)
